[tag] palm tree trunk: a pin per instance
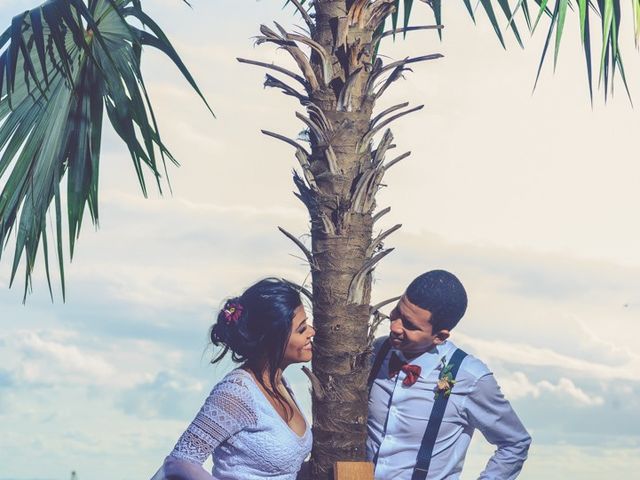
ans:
(340, 177)
(341, 234)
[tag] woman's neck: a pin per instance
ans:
(262, 372)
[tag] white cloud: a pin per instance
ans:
(599, 341)
(566, 387)
(43, 358)
(524, 354)
(562, 462)
(164, 396)
(518, 386)
(184, 206)
(51, 357)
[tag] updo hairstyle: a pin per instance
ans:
(255, 327)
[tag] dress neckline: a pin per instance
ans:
(271, 407)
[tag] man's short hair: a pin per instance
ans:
(442, 294)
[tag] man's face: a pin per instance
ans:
(411, 329)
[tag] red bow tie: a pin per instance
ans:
(412, 372)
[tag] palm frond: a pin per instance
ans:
(63, 64)
(608, 11)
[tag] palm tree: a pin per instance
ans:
(67, 61)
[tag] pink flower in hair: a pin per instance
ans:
(232, 312)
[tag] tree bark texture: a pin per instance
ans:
(342, 168)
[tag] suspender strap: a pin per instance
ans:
(375, 369)
(377, 362)
(435, 419)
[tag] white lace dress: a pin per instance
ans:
(243, 432)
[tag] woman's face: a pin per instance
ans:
(298, 349)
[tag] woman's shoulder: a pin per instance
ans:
(236, 381)
(235, 385)
(233, 395)
(237, 376)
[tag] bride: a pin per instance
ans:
(250, 422)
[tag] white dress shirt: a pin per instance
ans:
(398, 417)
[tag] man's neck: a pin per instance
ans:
(412, 355)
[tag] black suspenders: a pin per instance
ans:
(377, 362)
(423, 460)
(435, 419)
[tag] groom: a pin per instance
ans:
(427, 396)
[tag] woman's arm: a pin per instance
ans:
(228, 410)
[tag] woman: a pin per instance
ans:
(250, 422)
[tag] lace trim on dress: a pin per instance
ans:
(228, 409)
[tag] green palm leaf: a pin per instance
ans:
(63, 65)
(556, 11)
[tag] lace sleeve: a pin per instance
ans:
(228, 410)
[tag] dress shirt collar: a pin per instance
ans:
(430, 359)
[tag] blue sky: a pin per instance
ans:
(524, 196)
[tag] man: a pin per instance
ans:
(427, 396)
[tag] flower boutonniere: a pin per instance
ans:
(445, 380)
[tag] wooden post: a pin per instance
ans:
(353, 471)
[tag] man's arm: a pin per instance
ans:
(492, 414)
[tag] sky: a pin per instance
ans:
(529, 197)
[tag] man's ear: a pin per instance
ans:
(441, 337)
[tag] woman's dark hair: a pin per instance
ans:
(255, 327)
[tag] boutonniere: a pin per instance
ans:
(445, 380)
